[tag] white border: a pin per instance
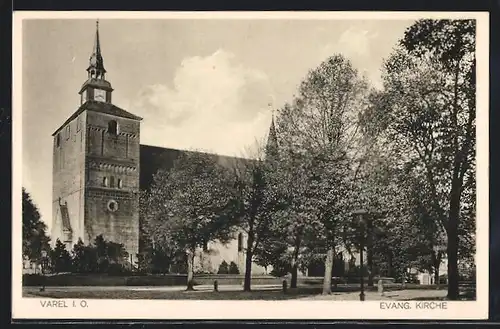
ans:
(290, 309)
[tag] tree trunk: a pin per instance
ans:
(295, 267)
(248, 263)
(436, 276)
(190, 270)
(453, 244)
(404, 277)
(389, 265)
(293, 282)
(327, 280)
(455, 194)
(369, 261)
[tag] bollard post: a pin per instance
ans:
(216, 285)
(381, 287)
(285, 286)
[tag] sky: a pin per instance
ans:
(198, 84)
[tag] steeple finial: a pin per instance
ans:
(97, 43)
(96, 66)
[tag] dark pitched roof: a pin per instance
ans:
(101, 108)
(153, 158)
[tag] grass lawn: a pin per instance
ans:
(303, 293)
(267, 294)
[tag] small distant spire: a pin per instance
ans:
(272, 140)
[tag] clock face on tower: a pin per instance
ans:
(99, 95)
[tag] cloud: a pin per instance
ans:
(213, 103)
(355, 42)
(356, 45)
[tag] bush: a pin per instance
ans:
(281, 269)
(157, 280)
(101, 280)
(233, 268)
(60, 259)
(223, 268)
(117, 270)
(32, 280)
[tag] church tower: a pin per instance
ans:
(96, 167)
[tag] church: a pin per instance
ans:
(100, 167)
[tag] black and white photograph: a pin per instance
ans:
(303, 159)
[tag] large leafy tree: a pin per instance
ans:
(189, 206)
(35, 238)
(320, 136)
(430, 114)
(253, 199)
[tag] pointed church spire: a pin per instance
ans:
(97, 43)
(96, 64)
(272, 140)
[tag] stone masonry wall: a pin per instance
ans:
(112, 181)
(68, 177)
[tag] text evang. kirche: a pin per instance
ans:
(413, 305)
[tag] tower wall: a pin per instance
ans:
(68, 181)
(112, 182)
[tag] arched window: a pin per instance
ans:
(111, 181)
(240, 242)
(113, 127)
(105, 182)
(120, 183)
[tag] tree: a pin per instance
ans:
(190, 205)
(223, 268)
(429, 84)
(233, 268)
(60, 258)
(35, 238)
(163, 259)
(319, 133)
(253, 202)
(292, 214)
(101, 254)
(155, 258)
(273, 252)
(109, 254)
(116, 253)
(144, 263)
(85, 258)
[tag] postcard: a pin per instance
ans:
(250, 165)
